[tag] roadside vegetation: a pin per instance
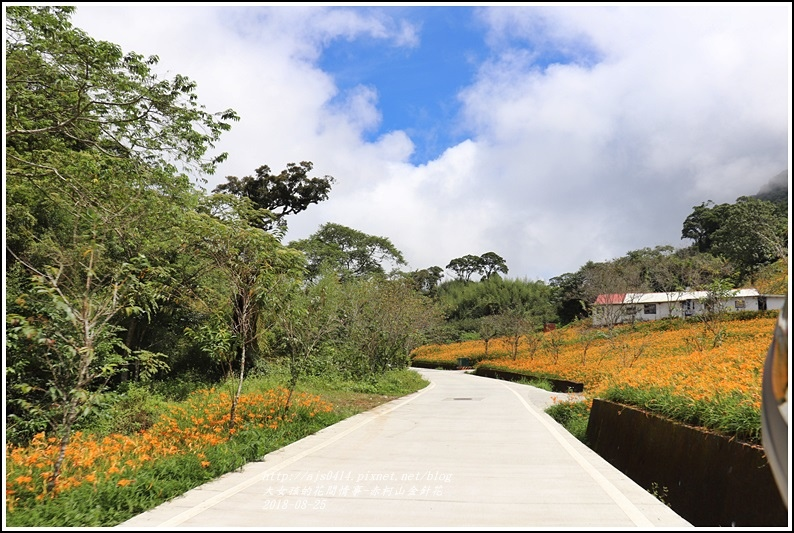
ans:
(148, 447)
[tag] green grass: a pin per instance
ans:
(726, 413)
(573, 416)
(540, 383)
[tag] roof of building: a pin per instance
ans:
(662, 297)
(604, 299)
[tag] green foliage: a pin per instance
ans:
(539, 383)
(426, 280)
(573, 416)
(390, 383)
(754, 233)
(383, 321)
(701, 224)
(487, 265)
(96, 206)
(494, 296)
(251, 264)
(466, 266)
(569, 298)
(661, 493)
(306, 322)
(348, 252)
(128, 410)
(750, 233)
(773, 278)
(492, 264)
(287, 193)
(179, 387)
(69, 334)
(217, 341)
(67, 91)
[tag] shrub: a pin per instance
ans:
(573, 416)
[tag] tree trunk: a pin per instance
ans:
(66, 436)
(236, 397)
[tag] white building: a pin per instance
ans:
(635, 307)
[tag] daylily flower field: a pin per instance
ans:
(191, 432)
(701, 374)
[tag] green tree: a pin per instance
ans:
(287, 193)
(67, 91)
(702, 223)
(569, 297)
(753, 234)
(349, 252)
(426, 280)
(70, 327)
(249, 264)
(216, 339)
(466, 266)
(90, 129)
(383, 321)
(492, 264)
(486, 265)
(95, 147)
(308, 320)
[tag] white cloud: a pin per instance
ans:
(664, 107)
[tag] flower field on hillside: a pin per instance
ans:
(705, 374)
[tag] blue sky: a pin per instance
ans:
(550, 134)
(417, 84)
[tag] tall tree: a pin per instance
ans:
(308, 320)
(753, 234)
(568, 294)
(97, 150)
(287, 193)
(70, 326)
(466, 266)
(92, 133)
(492, 264)
(701, 224)
(65, 90)
(426, 280)
(249, 263)
(383, 320)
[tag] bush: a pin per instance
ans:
(540, 383)
(127, 411)
(573, 416)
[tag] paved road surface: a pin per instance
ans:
(466, 452)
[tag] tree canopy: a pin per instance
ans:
(66, 90)
(750, 233)
(349, 252)
(287, 193)
(486, 265)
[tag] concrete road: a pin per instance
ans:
(466, 452)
